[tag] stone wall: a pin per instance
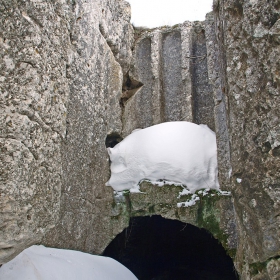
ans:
(176, 68)
(93, 112)
(34, 40)
(247, 34)
(71, 74)
(171, 63)
(241, 72)
(61, 77)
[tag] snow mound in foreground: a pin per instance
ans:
(41, 263)
(179, 152)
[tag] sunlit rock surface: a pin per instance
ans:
(62, 92)
(61, 73)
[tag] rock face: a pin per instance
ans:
(93, 112)
(34, 94)
(73, 80)
(171, 63)
(61, 80)
(247, 33)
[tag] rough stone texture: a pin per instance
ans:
(60, 88)
(62, 65)
(171, 63)
(216, 73)
(202, 96)
(140, 111)
(213, 212)
(95, 81)
(171, 60)
(34, 92)
(248, 32)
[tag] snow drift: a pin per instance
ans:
(41, 263)
(179, 152)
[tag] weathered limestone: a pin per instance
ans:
(65, 67)
(247, 33)
(61, 83)
(242, 42)
(102, 35)
(213, 211)
(34, 93)
(171, 62)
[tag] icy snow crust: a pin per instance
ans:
(41, 263)
(172, 152)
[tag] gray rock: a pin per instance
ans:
(69, 78)
(34, 93)
(246, 32)
(61, 82)
(171, 63)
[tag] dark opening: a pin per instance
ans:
(155, 248)
(112, 140)
(129, 88)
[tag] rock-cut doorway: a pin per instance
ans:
(154, 248)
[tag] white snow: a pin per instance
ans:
(177, 152)
(224, 193)
(196, 197)
(238, 180)
(41, 263)
(190, 202)
(184, 192)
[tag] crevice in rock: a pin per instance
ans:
(129, 88)
(157, 248)
(109, 42)
(202, 92)
(112, 140)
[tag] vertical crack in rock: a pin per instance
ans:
(203, 103)
(129, 88)
(172, 75)
(138, 108)
(216, 67)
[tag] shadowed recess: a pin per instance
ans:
(129, 88)
(112, 140)
(154, 248)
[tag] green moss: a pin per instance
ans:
(121, 208)
(163, 199)
(208, 217)
(126, 193)
(152, 209)
(256, 268)
(259, 267)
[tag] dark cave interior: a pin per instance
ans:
(154, 248)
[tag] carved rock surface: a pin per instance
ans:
(60, 79)
(34, 92)
(102, 38)
(62, 65)
(171, 62)
(247, 34)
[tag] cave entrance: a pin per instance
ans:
(154, 248)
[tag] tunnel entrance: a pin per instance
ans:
(154, 248)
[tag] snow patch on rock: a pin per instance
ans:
(41, 263)
(169, 153)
